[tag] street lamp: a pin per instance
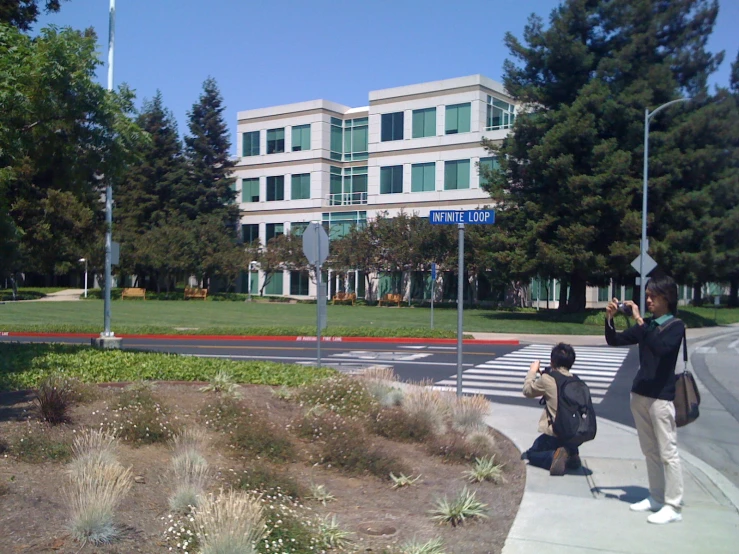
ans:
(84, 260)
(248, 280)
(644, 247)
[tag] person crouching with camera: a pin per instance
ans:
(653, 393)
(549, 452)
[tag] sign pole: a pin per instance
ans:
(318, 313)
(433, 289)
(460, 307)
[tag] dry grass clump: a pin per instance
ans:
(426, 403)
(98, 483)
(189, 471)
(230, 523)
(189, 440)
(468, 413)
(379, 382)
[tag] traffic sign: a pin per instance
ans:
(446, 217)
(315, 243)
(649, 264)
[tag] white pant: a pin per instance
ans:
(655, 425)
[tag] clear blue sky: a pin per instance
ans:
(266, 53)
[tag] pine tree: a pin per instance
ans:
(209, 187)
(569, 189)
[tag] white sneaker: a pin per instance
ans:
(667, 514)
(649, 504)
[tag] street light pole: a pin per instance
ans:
(85, 260)
(109, 191)
(644, 245)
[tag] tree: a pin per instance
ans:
(59, 132)
(209, 186)
(568, 191)
(23, 13)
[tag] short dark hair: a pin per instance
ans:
(563, 355)
(665, 287)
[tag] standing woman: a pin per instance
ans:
(653, 393)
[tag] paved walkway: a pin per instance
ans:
(588, 510)
(66, 295)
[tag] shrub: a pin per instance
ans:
(180, 534)
(223, 413)
(261, 476)
(429, 404)
(481, 441)
(231, 522)
(485, 469)
(289, 531)
(341, 394)
(468, 413)
(140, 418)
(455, 448)
(397, 424)
(189, 475)
(222, 382)
(40, 446)
(464, 506)
(54, 400)
(256, 435)
(95, 492)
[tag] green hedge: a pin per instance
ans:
(23, 365)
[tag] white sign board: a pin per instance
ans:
(649, 264)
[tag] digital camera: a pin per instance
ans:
(625, 309)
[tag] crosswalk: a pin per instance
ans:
(504, 376)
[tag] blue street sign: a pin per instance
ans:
(433, 271)
(445, 217)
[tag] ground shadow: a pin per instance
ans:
(14, 405)
(628, 493)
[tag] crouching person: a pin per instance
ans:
(549, 451)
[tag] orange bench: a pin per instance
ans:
(391, 299)
(133, 293)
(194, 292)
(344, 297)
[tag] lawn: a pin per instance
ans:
(151, 316)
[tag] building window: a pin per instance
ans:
(603, 295)
(337, 140)
(300, 189)
(500, 114)
(250, 143)
(275, 141)
(250, 190)
(457, 175)
(424, 123)
(274, 283)
(250, 233)
(457, 119)
(351, 189)
(301, 138)
(423, 177)
(489, 164)
(297, 228)
(356, 139)
(273, 230)
(391, 179)
(299, 283)
(339, 224)
(392, 126)
(275, 188)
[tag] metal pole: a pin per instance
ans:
(460, 307)
(85, 277)
(643, 247)
(433, 287)
(109, 190)
(318, 310)
(248, 283)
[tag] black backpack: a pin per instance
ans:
(575, 419)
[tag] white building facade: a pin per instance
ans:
(413, 148)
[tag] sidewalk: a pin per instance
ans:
(588, 510)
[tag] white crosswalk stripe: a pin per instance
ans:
(504, 376)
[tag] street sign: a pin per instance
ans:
(446, 217)
(649, 264)
(315, 244)
(115, 252)
(433, 272)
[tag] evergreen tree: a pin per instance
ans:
(209, 186)
(569, 189)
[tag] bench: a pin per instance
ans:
(344, 297)
(133, 293)
(194, 292)
(391, 299)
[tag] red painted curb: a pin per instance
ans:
(512, 342)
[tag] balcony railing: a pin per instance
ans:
(347, 198)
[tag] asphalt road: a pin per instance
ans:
(495, 370)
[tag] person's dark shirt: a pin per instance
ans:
(659, 346)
